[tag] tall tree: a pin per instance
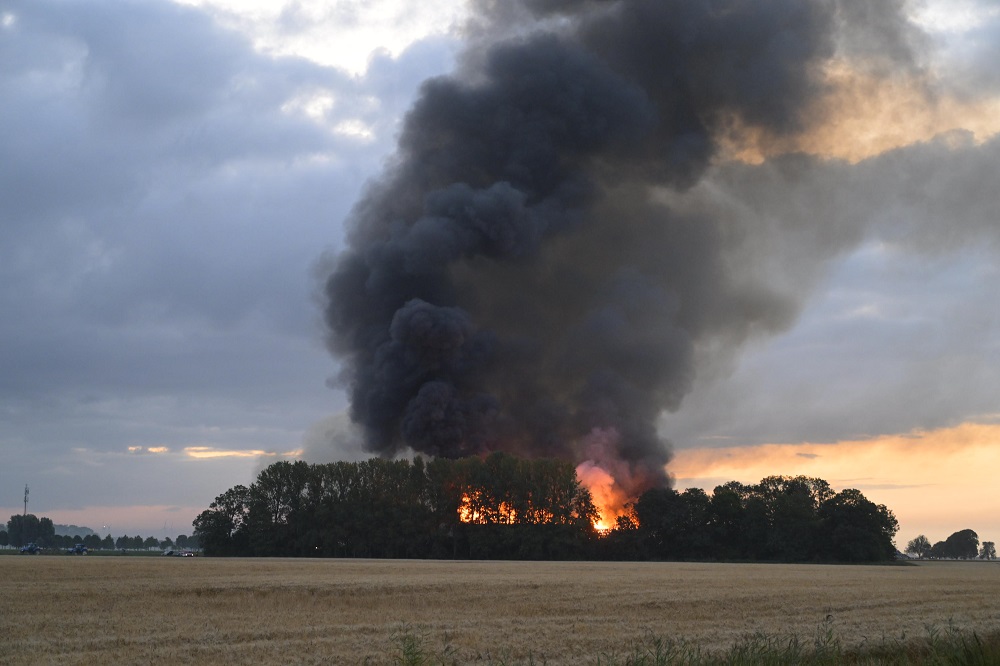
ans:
(988, 551)
(793, 504)
(221, 528)
(919, 546)
(962, 545)
(46, 532)
(726, 519)
(857, 529)
(24, 529)
(660, 512)
(276, 503)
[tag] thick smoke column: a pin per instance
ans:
(513, 281)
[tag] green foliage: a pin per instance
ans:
(856, 529)
(790, 519)
(962, 545)
(940, 647)
(24, 529)
(220, 528)
(411, 650)
(919, 546)
(502, 507)
(125, 542)
(512, 508)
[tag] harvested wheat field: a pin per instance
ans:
(200, 610)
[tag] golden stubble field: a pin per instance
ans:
(87, 610)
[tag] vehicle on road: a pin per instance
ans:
(30, 549)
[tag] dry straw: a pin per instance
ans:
(148, 609)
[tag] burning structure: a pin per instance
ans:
(518, 279)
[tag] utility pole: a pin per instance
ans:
(24, 519)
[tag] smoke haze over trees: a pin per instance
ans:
(537, 271)
(23, 529)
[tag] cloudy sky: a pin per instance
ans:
(173, 175)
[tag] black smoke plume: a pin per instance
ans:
(514, 281)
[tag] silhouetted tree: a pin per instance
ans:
(792, 505)
(988, 551)
(500, 506)
(24, 529)
(624, 540)
(222, 528)
(856, 529)
(46, 532)
(675, 526)
(963, 545)
(475, 507)
(919, 546)
(727, 522)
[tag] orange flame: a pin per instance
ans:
(468, 512)
(609, 499)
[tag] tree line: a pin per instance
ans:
(503, 507)
(23, 529)
(961, 545)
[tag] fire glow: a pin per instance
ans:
(609, 498)
(472, 510)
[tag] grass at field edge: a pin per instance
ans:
(949, 646)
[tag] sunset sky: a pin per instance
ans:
(174, 178)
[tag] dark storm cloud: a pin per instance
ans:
(559, 297)
(162, 186)
(163, 192)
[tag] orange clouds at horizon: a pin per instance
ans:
(208, 452)
(862, 115)
(935, 481)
